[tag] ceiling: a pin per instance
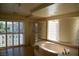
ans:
(57, 9)
(18, 8)
(39, 9)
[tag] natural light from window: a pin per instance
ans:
(53, 30)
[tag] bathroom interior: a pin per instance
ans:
(39, 29)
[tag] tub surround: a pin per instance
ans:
(49, 47)
(68, 44)
(53, 48)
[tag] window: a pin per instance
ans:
(11, 32)
(2, 27)
(53, 30)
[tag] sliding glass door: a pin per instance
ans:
(11, 33)
(2, 34)
(2, 40)
(9, 40)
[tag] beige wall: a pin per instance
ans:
(43, 29)
(75, 31)
(65, 30)
(26, 32)
(29, 33)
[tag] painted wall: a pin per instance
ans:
(75, 31)
(43, 29)
(69, 30)
(65, 30)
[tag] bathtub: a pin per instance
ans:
(46, 48)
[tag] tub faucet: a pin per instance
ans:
(66, 52)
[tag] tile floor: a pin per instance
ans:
(17, 51)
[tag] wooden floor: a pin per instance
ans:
(17, 51)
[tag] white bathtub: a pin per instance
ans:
(49, 48)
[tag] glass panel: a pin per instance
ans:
(2, 27)
(2, 40)
(9, 39)
(16, 39)
(16, 30)
(21, 27)
(9, 26)
(21, 39)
